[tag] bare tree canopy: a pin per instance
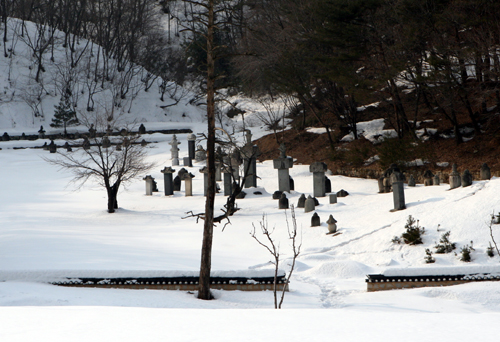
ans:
(105, 158)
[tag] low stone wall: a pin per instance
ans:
(444, 175)
(178, 283)
(379, 282)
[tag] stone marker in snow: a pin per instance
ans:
(436, 180)
(333, 198)
(204, 170)
(174, 150)
(41, 133)
(302, 201)
(68, 147)
(309, 204)
(328, 185)
(466, 178)
(398, 194)
(187, 162)
(342, 193)
(200, 154)
(411, 181)
(332, 224)
(283, 202)
(428, 178)
(188, 183)
(191, 138)
(168, 180)
(484, 172)
(142, 129)
(149, 185)
(455, 179)
(250, 154)
(282, 164)
(318, 170)
(177, 183)
(235, 162)
(292, 184)
(52, 147)
(315, 220)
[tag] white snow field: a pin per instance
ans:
(49, 227)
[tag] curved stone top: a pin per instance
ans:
(318, 167)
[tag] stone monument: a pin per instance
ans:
(302, 201)
(283, 202)
(332, 225)
(318, 170)
(466, 178)
(250, 154)
(168, 180)
(315, 220)
(309, 204)
(174, 150)
(149, 185)
(282, 164)
(191, 138)
(398, 194)
(484, 172)
(455, 179)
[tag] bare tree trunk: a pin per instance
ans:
(206, 250)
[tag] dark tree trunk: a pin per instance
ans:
(112, 197)
(206, 250)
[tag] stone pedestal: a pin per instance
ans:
(149, 185)
(398, 193)
(168, 180)
(191, 138)
(318, 170)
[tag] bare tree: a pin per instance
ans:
(274, 249)
(273, 117)
(111, 161)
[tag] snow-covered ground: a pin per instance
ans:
(47, 225)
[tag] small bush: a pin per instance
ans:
(490, 251)
(413, 234)
(396, 239)
(466, 253)
(445, 246)
(429, 259)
